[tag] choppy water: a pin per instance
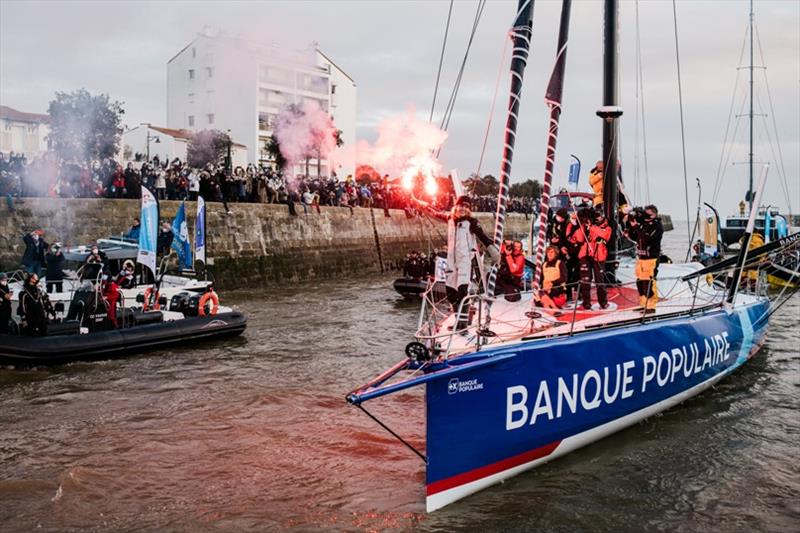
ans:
(255, 434)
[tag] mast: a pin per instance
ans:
(750, 155)
(521, 34)
(610, 112)
(553, 100)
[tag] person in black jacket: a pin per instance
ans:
(55, 269)
(35, 248)
(644, 227)
(165, 237)
(5, 304)
(34, 308)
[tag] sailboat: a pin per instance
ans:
(521, 385)
(770, 223)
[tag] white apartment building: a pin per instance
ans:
(22, 132)
(226, 82)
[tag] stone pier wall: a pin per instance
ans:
(255, 243)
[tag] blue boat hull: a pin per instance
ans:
(538, 400)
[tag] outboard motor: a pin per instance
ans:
(179, 302)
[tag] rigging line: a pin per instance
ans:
(641, 85)
(720, 167)
(763, 115)
(494, 101)
(457, 85)
(636, 116)
(729, 152)
(680, 104)
(772, 112)
(441, 60)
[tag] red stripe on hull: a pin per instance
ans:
(494, 468)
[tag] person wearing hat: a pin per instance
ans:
(126, 279)
(463, 234)
(5, 304)
(35, 248)
(55, 269)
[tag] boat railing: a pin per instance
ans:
(439, 325)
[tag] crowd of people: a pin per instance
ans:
(46, 176)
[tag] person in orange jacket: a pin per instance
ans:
(591, 240)
(596, 183)
(511, 269)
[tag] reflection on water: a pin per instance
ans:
(254, 433)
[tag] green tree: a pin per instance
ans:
(83, 126)
(273, 147)
(207, 146)
(527, 189)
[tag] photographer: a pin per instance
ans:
(34, 308)
(510, 271)
(644, 227)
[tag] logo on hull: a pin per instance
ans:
(455, 385)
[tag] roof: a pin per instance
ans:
(20, 116)
(178, 134)
(346, 75)
(185, 135)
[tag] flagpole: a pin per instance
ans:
(521, 34)
(553, 100)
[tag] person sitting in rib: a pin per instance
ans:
(554, 275)
(463, 234)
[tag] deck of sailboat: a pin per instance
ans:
(510, 321)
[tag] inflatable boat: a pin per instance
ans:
(143, 331)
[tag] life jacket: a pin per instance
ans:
(551, 273)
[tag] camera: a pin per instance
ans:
(637, 214)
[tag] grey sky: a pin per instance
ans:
(391, 49)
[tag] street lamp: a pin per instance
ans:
(155, 139)
(229, 162)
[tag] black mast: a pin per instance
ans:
(521, 34)
(610, 112)
(750, 155)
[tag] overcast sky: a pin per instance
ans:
(391, 49)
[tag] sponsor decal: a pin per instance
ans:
(586, 391)
(456, 385)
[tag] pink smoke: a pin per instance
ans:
(305, 131)
(405, 145)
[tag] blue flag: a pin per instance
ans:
(148, 232)
(574, 172)
(180, 241)
(200, 231)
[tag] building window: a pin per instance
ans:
(266, 121)
(194, 52)
(191, 98)
(312, 83)
(210, 117)
(191, 73)
(333, 88)
(275, 75)
(210, 72)
(191, 121)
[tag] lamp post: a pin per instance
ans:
(155, 138)
(229, 161)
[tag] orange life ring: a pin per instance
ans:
(146, 304)
(201, 306)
